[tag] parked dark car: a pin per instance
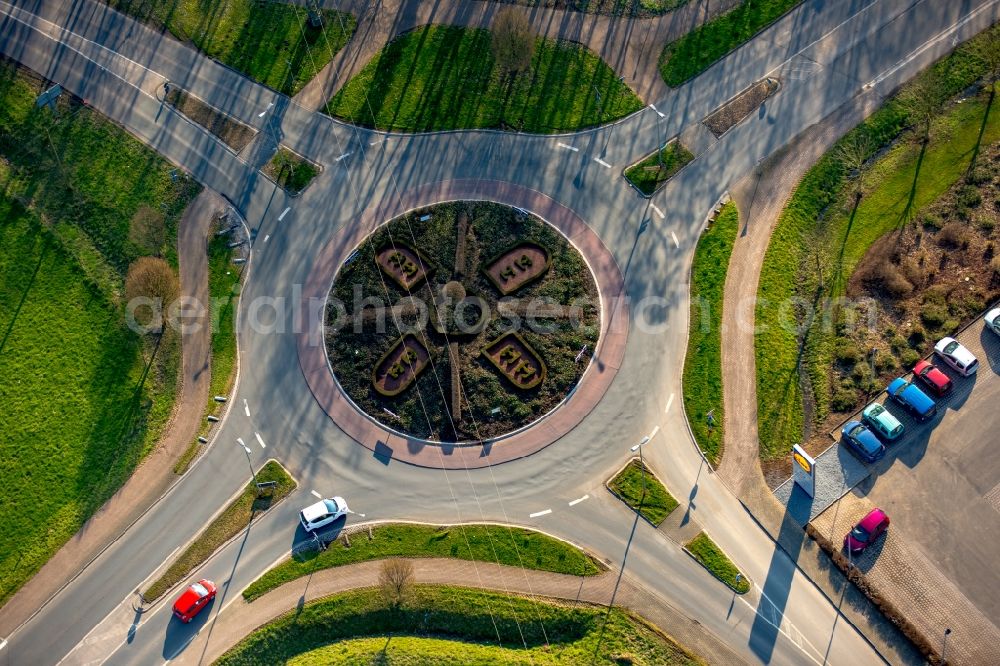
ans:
(912, 399)
(862, 442)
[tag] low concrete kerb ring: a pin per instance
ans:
(387, 444)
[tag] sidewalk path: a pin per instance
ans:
(631, 46)
(155, 475)
(240, 618)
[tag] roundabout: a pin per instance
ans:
(479, 324)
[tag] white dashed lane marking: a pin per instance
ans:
(674, 236)
(540, 513)
(246, 407)
(568, 147)
(578, 500)
(284, 213)
(602, 163)
(348, 153)
(670, 401)
(316, 494)
(658, 211)
(260, 440)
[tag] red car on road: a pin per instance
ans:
(935, 380)
(194, 599)
(866, 532)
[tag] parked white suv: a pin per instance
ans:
(992, 320)
(958, 357)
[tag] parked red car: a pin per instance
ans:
(932, 378)
(866, 532)
(194, 599)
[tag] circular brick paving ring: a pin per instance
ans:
(388, 444)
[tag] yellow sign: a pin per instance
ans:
(802, 462)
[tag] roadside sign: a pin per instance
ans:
(804, 470)
(49, 97)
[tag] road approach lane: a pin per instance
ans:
(300, 435)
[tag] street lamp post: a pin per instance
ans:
(642, 469)
(246, 449)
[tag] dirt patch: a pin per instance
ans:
(741, 106)
(233, 133)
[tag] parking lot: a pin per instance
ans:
(940, 485)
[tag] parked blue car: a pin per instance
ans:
(862, 441)
(912, 399)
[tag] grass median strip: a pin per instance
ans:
(443, 77)
(657, 503)
(223, 291)
(290, 171)
(273, 43)
(692, 54)
(712, 558)
(656, 169)
(513, 546)
(703, 362)
(229, 523)
(453, 625)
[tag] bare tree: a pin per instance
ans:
(395, 580)
(986, 49)
(147, 229)
(852, 153)
(922, 101)
(513, 41)
(152, 278)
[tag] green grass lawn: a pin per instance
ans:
(703, 363)
(271, 42)
(820, 216)
(440, 78)
(656, 169)
(228, 524)
(451, 625)
(80, 402)
(713, 559)
(290, 171)
(692, 54)
(512, 546)
(628, 484)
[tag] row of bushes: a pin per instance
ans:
(888, 609)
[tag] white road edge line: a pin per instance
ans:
(284, 213)
(658, 211)
(316, 494)
(568, 147)
(655, 430)
(3, 644)
(246, 406)
(540, 513)
(602, 163)
(260, 440)
(578, 500)
(670, 401)
(348, 153)
(674, 236)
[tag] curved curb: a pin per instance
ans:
(384, 443)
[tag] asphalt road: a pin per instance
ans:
(117, 65)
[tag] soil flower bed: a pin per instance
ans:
(462, 322)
